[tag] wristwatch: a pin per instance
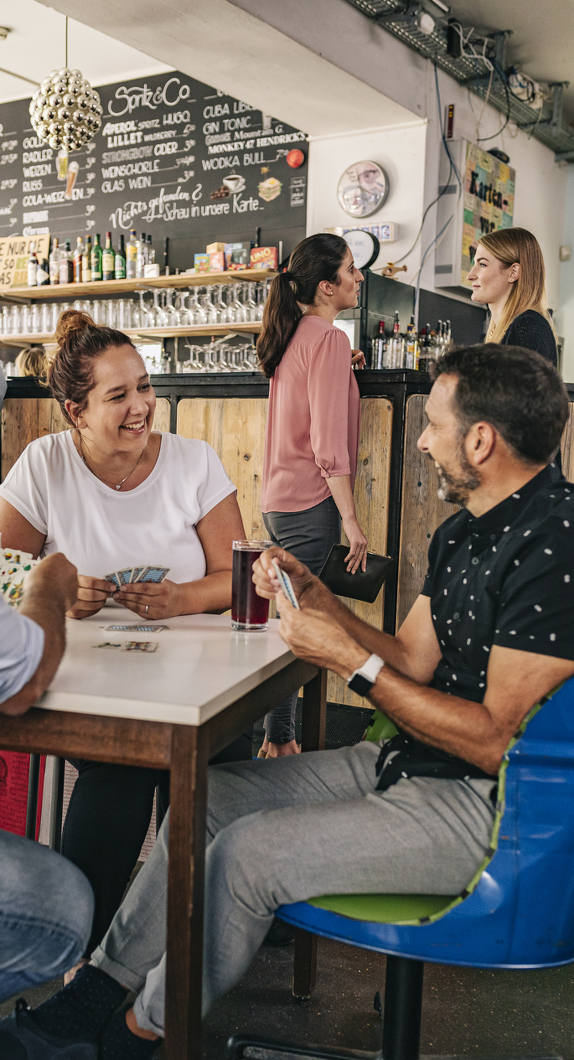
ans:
(363, 679)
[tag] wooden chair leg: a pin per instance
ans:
(305, 964)
(57, 804)
(32, 804)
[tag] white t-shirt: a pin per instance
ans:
(100, 529)
(21, 647)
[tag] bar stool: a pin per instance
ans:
(517, 913)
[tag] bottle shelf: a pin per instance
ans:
(146, 334)
(109, 287)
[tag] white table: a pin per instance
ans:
(171, 709)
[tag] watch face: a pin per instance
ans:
(362, 189)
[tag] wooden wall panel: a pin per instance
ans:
(421, 511)
(372, 503)
(568, 446)
(161, 418)
(235, 428)
(25, 419)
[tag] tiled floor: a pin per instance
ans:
(466, 1012)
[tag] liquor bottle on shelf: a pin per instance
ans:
(120, 259)
(150, 252)
(411, 345)
(397, 344)
(55, 261)
(108, 259)
(132, 256)
(448, 335)
(78, 255)
(33, 267)
(426, 354)
(141, 257)
(66, 264)
(379, 348)
(43, 273)
(97, 259)
(87, 261)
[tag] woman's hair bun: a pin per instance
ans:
(71, 324)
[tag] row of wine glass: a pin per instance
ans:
(235, 303)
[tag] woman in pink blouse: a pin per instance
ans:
(313, 422)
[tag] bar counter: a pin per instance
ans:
(396, 487)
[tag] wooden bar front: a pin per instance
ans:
(396, 491)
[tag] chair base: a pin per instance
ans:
(247, 1047)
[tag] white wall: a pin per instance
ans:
(565, 318)
(400, 150)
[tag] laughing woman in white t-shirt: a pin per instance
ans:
(111, 493)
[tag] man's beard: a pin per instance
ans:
(457, 488)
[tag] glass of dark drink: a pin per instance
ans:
(248, 610)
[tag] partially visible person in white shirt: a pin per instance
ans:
(46, 902)
(112, 493)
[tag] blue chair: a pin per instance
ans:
(518, 911)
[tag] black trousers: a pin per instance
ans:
(107, 821)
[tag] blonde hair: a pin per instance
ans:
(510, 245)
(31, 361)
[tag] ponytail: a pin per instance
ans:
(316, 258)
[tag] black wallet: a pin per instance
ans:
(362, 585)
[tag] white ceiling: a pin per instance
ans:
(542, 40)
(221, 45)
(35, 46)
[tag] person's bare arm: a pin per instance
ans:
(17, 532)
(216, 531)
(49, 591)
(476, 732)
(413, 652)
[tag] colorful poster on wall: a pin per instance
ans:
(488, 201)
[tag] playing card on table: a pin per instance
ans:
(106, 644)
(139, 645)
(133, 627)
(153, 574)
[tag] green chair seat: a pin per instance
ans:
(386, 908)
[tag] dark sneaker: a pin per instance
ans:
(21, 1039)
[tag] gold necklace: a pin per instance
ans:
(116, 485)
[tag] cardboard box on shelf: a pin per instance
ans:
(264, 258)
(238, 254)
(215, 248)
(201, 262)
(217, 261)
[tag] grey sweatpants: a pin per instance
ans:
(287, 829)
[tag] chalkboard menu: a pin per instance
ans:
(174, 158)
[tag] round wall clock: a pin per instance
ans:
(365, 247)
(362, 189)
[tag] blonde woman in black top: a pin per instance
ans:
(509, 276)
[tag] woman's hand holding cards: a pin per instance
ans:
(92, 595)
(151, 600)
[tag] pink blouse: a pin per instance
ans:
(313, 419)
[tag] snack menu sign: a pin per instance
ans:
(174, 157)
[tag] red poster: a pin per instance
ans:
(14, 771)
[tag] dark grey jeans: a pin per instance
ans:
(309, 535)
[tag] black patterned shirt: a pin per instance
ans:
(504, 578)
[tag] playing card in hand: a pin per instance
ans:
(130, 575)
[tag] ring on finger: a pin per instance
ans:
(146, 608)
